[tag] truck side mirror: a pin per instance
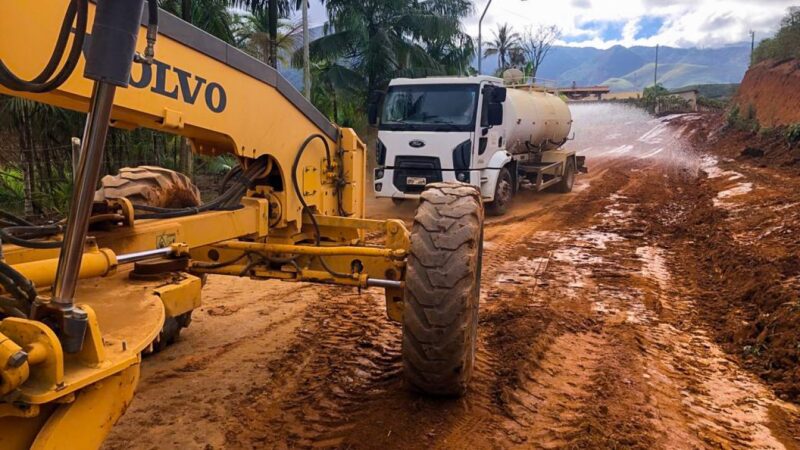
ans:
(499, 94)
(495, 114)
(374, 102)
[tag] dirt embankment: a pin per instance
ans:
(741, 234)
(773, 89)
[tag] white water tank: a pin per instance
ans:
(535, 120)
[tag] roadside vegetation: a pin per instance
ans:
(744, 120)
(785, 44)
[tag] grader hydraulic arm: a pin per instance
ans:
(81, 300)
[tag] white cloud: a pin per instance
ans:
(686, 23)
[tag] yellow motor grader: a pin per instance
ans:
(82, 299)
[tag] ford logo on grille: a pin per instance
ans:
(416, 143)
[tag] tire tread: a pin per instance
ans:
(441, 299)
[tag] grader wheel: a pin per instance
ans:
(164, 188)
(440, 316)
(149, 185)
(170, 332)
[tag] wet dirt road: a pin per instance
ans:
(591, 335)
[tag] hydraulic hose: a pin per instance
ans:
(306, 209)
(46, 80)
(16, 220)
(227, 201)
(24, 236)
(19, 287)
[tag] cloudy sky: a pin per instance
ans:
(604, 23)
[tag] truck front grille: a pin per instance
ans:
(415, 167)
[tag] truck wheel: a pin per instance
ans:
(149, 185)
(503, 194)
(154, 186)
(568, 180)
(440, 314)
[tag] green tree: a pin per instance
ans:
(41, 159)
(211, 16)
(256, 40)
(214, 17)
(382, 39)
(786, 43)
(537, 43)
(651, 96)
(505, 43)
(454, 53)
(334, 88)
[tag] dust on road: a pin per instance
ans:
(593, 331)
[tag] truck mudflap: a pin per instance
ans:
(580, 163)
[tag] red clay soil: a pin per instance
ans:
(745, 268)
(773, 89)
(768, 147)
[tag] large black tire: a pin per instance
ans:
(440, 314)
(149, 185)
(568, 179)
(503, 194)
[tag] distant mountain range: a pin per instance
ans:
(627, 69)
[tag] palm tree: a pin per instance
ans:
(454, 54)
(211, 16)
(41, 161)
(380, 39)
(506, 41)
(214, 17)
(256, 39)
(274, 10)
(333, 85)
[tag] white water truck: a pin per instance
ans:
(475, 130)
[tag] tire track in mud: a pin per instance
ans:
(558, 345)
(184, 392)
(689, 393)
(342, 376)
(639, 372)
(346, 352)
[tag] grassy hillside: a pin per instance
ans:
(670, 75)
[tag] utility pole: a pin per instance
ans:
(655, 73)
(480, 26)
(752, 45)
(306, 54)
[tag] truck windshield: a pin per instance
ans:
(430, 108)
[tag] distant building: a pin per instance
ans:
(588, 93)
(690, 95)
(634, 95)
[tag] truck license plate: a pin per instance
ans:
(416, 181)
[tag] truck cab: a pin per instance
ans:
(439, 129)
